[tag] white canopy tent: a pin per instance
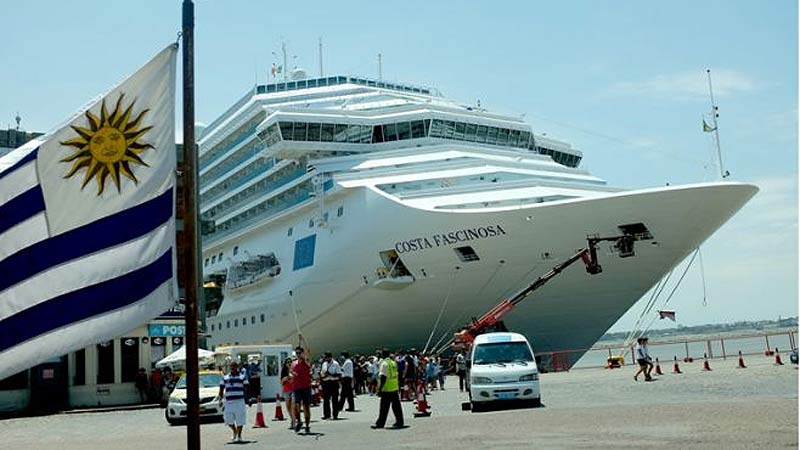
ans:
(178, 358)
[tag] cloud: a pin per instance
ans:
(688, 85)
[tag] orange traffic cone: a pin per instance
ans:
(404, 393)
(278, 409)
(706, 366)
(778, 361)
(259, 415)
(423, 410)
(741, 361)
(675, 367)
(658, 368)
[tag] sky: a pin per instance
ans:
(623, 81)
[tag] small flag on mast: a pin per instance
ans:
(708, 128)
(87, 223)
(667, 315)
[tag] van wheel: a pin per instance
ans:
(476, 407)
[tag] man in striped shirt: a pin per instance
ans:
(232, 387)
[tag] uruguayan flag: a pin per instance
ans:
(87, 229)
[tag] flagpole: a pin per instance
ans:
(714, 114)
(189, 235)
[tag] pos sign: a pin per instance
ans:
(166, 330)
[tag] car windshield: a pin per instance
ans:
(207, 380)
(502, 352)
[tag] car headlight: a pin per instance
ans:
(175, 400)
(530, 377)
(482, 380)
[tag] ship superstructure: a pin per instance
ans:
(363, 214)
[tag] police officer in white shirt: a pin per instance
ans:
(331, 373)
(347, 384)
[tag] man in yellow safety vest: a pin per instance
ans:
(388, 390)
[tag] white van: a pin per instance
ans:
(502, 369)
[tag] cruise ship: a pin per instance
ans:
(362, 214)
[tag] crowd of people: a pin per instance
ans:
(393, 376)
(156, 387)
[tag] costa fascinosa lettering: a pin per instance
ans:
(449, 238)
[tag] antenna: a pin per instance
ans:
(285, 66)
(380, 67)
(714, 116)
(321, 74)
(18, 119)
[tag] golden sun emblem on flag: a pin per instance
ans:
(109, 146)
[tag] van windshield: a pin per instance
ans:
(502, 352)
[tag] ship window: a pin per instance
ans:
(252, 320)
(310, 223)
(290, 231)
(262, 318)
(502, 136)
(228, 325)
(390, 132)
(235, 323)
(471, 132)
(299, 131)
(213, 259)
(301, 84)
(481, 134)
(286, 131)
(206, 263)
(313, 83)
(291, 85)
(466, 254)
(235, 250)
(377, 133)
(281, 87)
(313, 131)
(212, 327)
(270, 88)
(244, 321)
(403, 131)
(460, 129)
(219, 257)
(340, 211)
(327, 132)
(491, 136)
(427, 124)
(417, 129)
(304, 252)
(340, 135)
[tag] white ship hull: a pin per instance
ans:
(337, 306)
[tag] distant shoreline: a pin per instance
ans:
(680, 334)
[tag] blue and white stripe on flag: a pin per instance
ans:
(87, 229)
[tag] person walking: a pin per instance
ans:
(388, 389)
(287, 387)
(301, 382)
(331, 372)
(347, 384)
(643, 359)
(232, 389)
(461, 370)
(140, 381)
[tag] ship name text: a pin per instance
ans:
(448, 238)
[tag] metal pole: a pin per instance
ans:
(320, 58)
(380, 67)
(714, 115)
(190, 253)
(722, 342)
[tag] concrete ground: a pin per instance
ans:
(591, 408)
